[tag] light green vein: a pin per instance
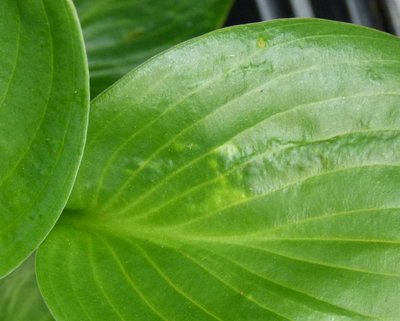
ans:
(69, 263)
(319, 263)
(318, 218)
(173, 286)
(129, 279)
(12, 75)
(306, 295)
(40, 122)
(98, 281)
(234, 289)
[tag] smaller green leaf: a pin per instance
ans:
(121, 34)
(44, 100)
(20, 299)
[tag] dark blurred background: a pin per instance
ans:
(380, 14)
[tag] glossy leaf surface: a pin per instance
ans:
(43, 117)
(250, 174)
(121, 34)
(20, 298)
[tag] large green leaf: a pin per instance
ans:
(20, 298)
(121, 34)
(43, 117)
(250, 174)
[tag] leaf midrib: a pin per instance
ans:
(168, 236)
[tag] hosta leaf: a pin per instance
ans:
(43, 116)
(20, 298)
(250, 174)
(121, 34)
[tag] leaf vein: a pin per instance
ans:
(174, 286)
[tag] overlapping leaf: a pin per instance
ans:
(250, 174)
(20, 298)
(43, 116)
(121, 34)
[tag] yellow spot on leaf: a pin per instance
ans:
(261, 43)
(213, 164)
